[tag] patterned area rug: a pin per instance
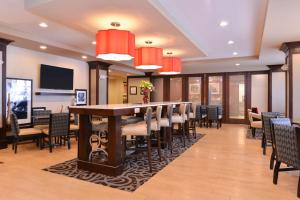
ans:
(136, 172)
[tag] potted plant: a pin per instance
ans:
(146, 88)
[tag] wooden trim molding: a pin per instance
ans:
(204, 89)
(290, 48)
(3, 49)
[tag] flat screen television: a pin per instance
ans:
(56, 78)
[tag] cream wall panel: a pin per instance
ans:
(259, 92)
(24, 63)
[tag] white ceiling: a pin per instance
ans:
(189, 28)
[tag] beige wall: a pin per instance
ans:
(24, 63)
(278, 92)
(138, 98)
(296, 86)
(259, 92)
(116, 90)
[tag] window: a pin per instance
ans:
(195, 89)
(215, 90)
(237, 97)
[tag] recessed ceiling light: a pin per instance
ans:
(235, 53)
(237, 64)
(43, 25)
(94, 42)
(43, 47)
(230, 42)
(223, 23)
(84, 57)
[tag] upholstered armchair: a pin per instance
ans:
(254, 124)
(266, 126)
(287, 141)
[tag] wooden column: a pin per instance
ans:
(3, 48)
(166, 89)
(290, 48)
(97, 65)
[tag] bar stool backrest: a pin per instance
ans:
(148, 120)
(158, 115)
(194, 108)
(187, 111)
(182, 110)
(170, 113)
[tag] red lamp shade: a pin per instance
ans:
(171, 65)
(115, 45)
(148, 58)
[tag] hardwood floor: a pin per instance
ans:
(222, 165)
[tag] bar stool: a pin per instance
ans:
(179, 119)
(143, 129)
(166, 123)
(192, 121)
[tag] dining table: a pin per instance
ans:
(113, 166)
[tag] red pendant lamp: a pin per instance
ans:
(171, 65)
(116, 45)
(148, 57)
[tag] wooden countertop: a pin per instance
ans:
(116, 109)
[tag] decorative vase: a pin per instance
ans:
(146, 97)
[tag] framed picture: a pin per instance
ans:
(194, 88)
(19, 99)
(133, 90)
(81, 97)
(214, 88)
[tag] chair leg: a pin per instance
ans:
(194, 128)
(170, 134)
(276, 171)
(149, 153)
(272, 159)
(159, 145)
(183, 135)
(264, 145)
(253, 132)
(16, 146)
(50, 144)
(69, 142)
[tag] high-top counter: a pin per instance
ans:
(113, 166)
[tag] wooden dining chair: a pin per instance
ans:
(266, 127)
(214, 115)
(276, 121)
(25, 134)
(59, 127)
